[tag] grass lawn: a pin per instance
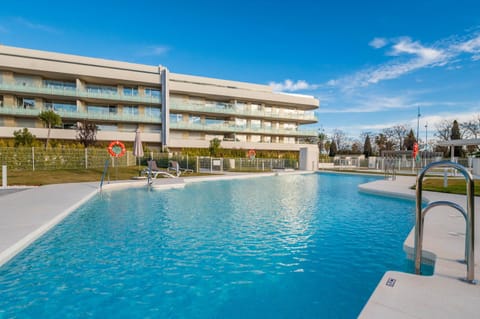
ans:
(455, 186)
(38, 178)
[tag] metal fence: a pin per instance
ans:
(39, 158)
(212, 164)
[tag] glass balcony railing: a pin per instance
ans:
(232, 128)
(83, 115)
(78, 93)
(230, 109)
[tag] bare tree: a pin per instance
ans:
(339, 137)
(443, 130)
(87, 133)
(399, 131)
(390, 137)
(471, 129)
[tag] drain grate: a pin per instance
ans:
(391, 282)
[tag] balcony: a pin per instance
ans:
(232, 128)
(111, 117)
(231, 109)
(77, 93)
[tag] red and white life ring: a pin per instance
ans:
(251, 153)
(116, 149)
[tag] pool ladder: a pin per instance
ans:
(469, 216)
(104, 173)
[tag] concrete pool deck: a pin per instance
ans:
(27, 214)
(445, 294)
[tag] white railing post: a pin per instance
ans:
(86, 158)
(33, 158)
(4, 176)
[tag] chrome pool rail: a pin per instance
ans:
(104, 173)
(469, 216)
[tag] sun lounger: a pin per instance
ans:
(153, 171)
(174, 166)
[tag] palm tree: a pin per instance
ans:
(49, 118)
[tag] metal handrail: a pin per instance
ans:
(468, 215)
(104, 172)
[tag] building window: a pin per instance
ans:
(1, 100)
(255, 107)
(101, 109)
(130, 109)
(61, 106)
(240, 107)
(152, 92)
(101, 89)
(289, 126)
(192, 119)
(153, 111)
(26, 103)
(241, 137)
(241, 123)
(60, 85)
(23, 80)
(130, 91)
(255, 124)
(176, 118)
(255, 138)
(108, 127)
(214, 121)
(69, 126)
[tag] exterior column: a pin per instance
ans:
(165, 107)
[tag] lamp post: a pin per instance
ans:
(418, 122)
(426, 136)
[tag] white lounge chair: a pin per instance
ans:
(174, 166)
(153, 171)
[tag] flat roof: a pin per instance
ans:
(471, 141)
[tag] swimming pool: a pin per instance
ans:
(297, 246)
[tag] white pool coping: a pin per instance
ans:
(445, 294)
(28, 214)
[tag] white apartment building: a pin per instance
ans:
(170, 110)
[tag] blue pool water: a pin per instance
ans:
(303, 246)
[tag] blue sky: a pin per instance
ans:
(371, 63)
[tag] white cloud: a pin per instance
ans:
(36, 26)
(409, 56)
(291, 86)
(332, 82)
(470, 46)
(154, 50)
(434, 120)
(371, 103)
(406, 46)
(378, 43)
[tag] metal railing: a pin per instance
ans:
(79, 93)
(39, 158)
(239, 129)
(34, 112)
(468, 215)
(104, 173)
(231, 109)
